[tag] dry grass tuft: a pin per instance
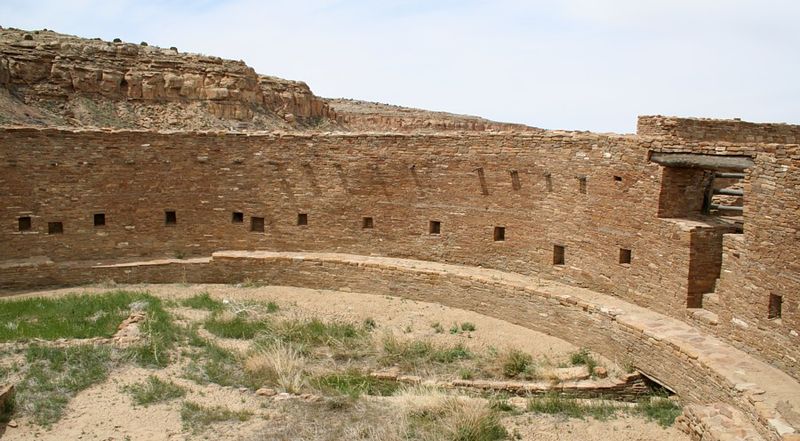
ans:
(278, 365)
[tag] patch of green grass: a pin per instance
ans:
(72, 316)
(455, 329)
(238, 327)
(437, 327)
(196, 416)
(202, 300)
(154, 390)
(516, 363)
(272, 307)
(160, 335)
(214, 364)
(370, 324)
(583, 357)
(55, 375)
(570, 407)
(354, 383)
(457, 421)
(315, 332)
(468, 327)
(660, 410)
(415, 352)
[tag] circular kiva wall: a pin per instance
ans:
(584, 209)
(697, 366)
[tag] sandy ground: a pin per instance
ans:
(104, 412)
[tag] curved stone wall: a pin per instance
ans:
(580, 208)
(701, 368)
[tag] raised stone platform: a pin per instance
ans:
(698, 366)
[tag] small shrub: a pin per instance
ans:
(154, 390)
(437, 327)
(465, 374)
(583, 357)
(516, 363)
(467, 327)
(369, 324)
(455, 329)
(272, 307)
(196, 416)
(202, 300)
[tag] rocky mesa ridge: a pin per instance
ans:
(52, 79)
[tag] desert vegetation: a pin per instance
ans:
(284, 364)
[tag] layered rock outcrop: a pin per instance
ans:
(72, 81)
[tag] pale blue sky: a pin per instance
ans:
(570, 64)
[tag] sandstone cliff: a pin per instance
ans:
(53, 79)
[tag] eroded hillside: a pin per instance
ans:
(52, 79)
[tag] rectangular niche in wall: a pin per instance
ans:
(625, 256)
(257, 224)
(548, 182)
(366, 222)
(302, 219)
(775, 306)
(515, 182)
(499, 234)
(434, 227)
(237, 217)
(558, 254)
(170, 217)
(24, 223)
(55, 228)
(99, 219)
(582, 184)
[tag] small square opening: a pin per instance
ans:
(55, 228)
(24, 223)
(237, 217)
(302, 219)
(775, 306)
(558, 255)
(170, 218)
(257, 224)
(625, 256)
(366, 222)
(434, 227)
(99, 219)
(499, 234)
(618, 178)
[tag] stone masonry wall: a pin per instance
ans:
(593, 195)
(713, 130)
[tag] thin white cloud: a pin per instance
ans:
(575, 64)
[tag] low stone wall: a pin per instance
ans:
(700, 368)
